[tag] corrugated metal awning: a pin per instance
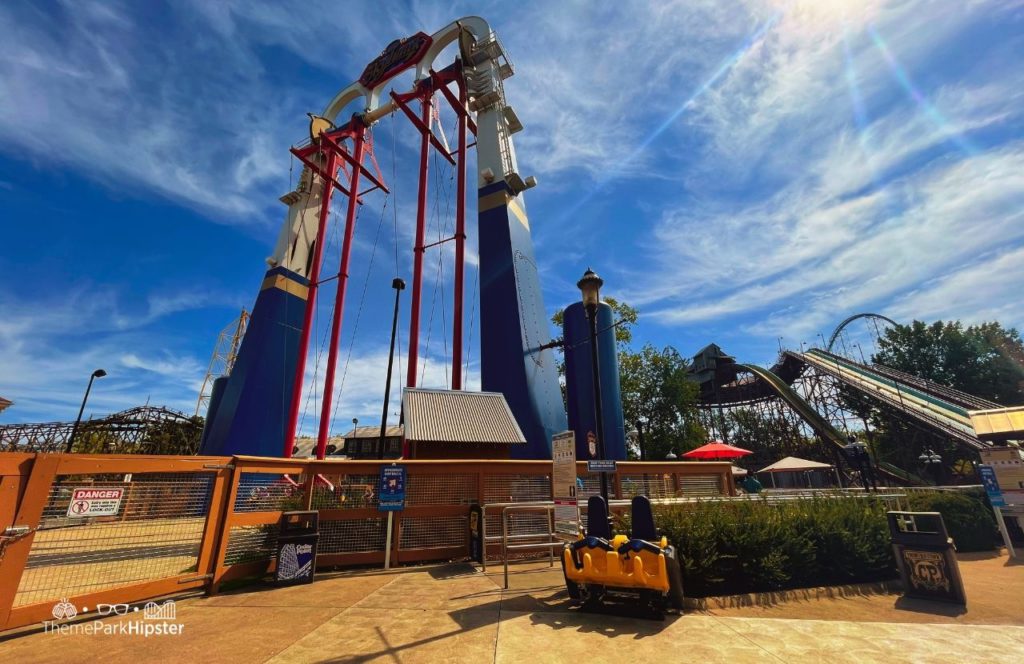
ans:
(455, 416)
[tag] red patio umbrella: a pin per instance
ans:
(716, 449)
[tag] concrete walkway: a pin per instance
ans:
(453, 613)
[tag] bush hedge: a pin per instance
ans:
(754, 546)
(968, 518)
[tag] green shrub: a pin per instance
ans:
(969, 522)
(752, 546)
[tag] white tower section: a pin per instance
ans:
(486, 66)
(294, 247)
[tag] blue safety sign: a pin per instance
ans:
(988, 480)
(392, 489)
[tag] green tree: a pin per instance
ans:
(984, 360)
(659, 401)
(770, 436)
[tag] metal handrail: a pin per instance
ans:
(505, 546)
(497, 538)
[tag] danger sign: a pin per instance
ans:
(95, 502)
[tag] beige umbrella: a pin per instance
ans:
(793, 464)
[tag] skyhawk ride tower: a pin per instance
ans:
(260, 406)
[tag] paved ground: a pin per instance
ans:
(453, 613)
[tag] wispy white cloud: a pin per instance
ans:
(983, 290)
(49, 349)
(797, 217)
(881, 245)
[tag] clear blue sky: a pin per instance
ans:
(738, 171)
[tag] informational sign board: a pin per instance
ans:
(101, 501)
(601, 466)
(563, 485)
(391, 494)
(991, 484)
(1008, 465)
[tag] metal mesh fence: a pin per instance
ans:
(355, 491)
(513, 489)
(699, 485)
(652, 485)
(356, 536)
(454, 489)
(516, 488)
(156, 533)
(590, 485)
(268, 492)
(248, 544)
(429, 532)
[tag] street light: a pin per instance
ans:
(590, 288)
(931, 462)
(99, 373)
(637, 436)
(671, 456)
(399, 286)
(860, 460)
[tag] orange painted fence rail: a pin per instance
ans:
(187, 523)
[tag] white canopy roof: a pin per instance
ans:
(736, 470)
(793, 463)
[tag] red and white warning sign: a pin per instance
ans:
(95, 502)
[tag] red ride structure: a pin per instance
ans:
(516, 359)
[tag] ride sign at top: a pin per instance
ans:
(398, 56)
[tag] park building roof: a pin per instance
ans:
(392, 431)
(457, 416)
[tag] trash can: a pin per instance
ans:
(926, 557)
(296, 548)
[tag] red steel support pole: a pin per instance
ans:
(460, 243)
(314, 277)
(418, 249)
(339, 297)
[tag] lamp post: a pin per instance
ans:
(637, 435)
(590, 287)
(932, 463)
(99, 373)
(399, 286)
(355, 438)
(860, 460)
